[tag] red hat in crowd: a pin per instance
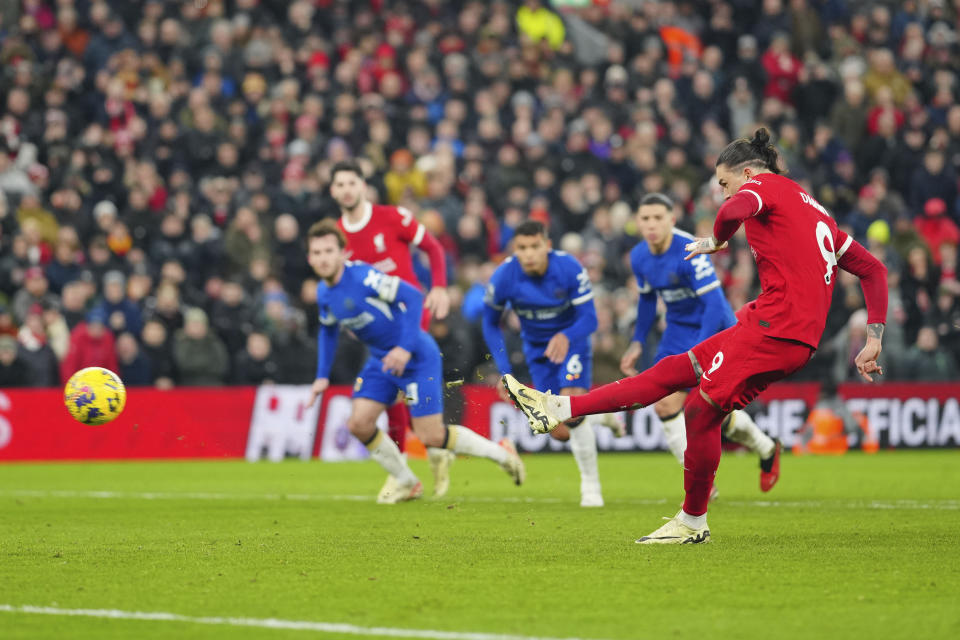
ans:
(935, 207)
(318, 59)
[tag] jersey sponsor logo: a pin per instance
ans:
(544, 313)
(357, 322)
(673, 295)
(387, 265)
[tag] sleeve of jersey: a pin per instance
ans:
(713, 313)
(854, 258)
(408, 303)
(494, 304)
(646, 305)
(326, 345)
(744, 204)
(438, 259)
(585, 313)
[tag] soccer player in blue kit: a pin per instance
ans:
(384, 313)
(696, 310)
(551, 294)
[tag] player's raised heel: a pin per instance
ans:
(533, 403)
(440, 461)
(402, 493)
(770, 468)
(513, 465)
(676, 532)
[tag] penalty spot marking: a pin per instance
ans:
(269, 623)
(946, 504)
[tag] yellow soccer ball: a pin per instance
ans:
(94, 395)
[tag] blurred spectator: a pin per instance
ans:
(200, 356)
(34, 292)
(14, 371)
(136, 370)
(91, 345)
(936, 228)
(924, 361)
(42, 366)
(122, 314)
(256, 365)
(158, 349)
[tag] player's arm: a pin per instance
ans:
(584, 318)
(742, 205)
(326, 349)
(646, 316)
(406, 303)
(437, 300)
(854, 258)
(416, 235)
(494, 304)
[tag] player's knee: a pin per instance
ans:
(360, 428)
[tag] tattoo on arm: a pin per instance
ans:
(875, 330)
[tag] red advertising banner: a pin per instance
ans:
(273, 422)
(181, 423)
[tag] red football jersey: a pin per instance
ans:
(383, 237)
(796, 244)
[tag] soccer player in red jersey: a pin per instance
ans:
(383, 236)
(798, 249)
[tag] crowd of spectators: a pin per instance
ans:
(160, 161)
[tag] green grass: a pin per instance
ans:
(857, 546)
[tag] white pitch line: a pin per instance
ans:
(270, 623)
(946, 504)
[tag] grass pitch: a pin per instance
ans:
(857, 546)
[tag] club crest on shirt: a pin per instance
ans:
(349, 303)
(379, 243)
(559, 293)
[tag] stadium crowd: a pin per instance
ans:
(160, 162)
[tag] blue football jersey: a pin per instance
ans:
(679, 283)
(547, 304)
(366, 302)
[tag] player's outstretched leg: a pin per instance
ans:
(740, 427)
(545, 411)
(461, 440)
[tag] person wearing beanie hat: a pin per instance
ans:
(936, 228)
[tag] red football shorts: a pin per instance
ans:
(738, 363)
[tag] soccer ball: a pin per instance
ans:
(94, 395)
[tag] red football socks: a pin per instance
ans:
(398, 419)
(702, 457)
(674, 373)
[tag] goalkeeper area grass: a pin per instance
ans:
(855, 546)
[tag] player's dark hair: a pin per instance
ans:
(530, 228)
(327, 227)
(347, 165)
(756, 151)
(657, 198)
